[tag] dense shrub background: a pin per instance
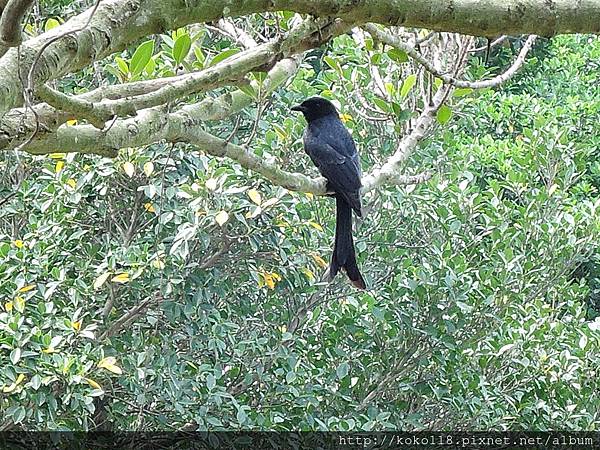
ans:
(484, 280)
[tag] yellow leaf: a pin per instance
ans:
(20, 304)
(72, 122)
(270, 202)
(281, 133)
(148, 168)
(59, 166)
(269, 281)
(222, 217)
(71, 182)
(51, 23)
(552, 189)
(158, 264)
(76, 325)
(27, 288)
(8, 306)
(110, 360)
(49, 350)
(110, 363)
(101, 280)
(57, 155)
(13, 386)
(255, 196)
(320, 261)
(19, 243)
(309, 274)
(148, 206)
(345, 117)
(211, 184)
(123, 277)
(316, 226)
(128, 168)
(309, 195)
(93, 383)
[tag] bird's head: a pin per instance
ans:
(316, 107)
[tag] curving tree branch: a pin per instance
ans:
(118, 23)
(143, 113)
(12, 13)
(231, 70)
(390, 39)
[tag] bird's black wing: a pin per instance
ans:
(341, 171)
(333, 132)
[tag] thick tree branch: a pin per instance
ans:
(307, 34)
(72, 106)
(19, 123)
(185, 125)
(221, 107)
(118, 23)
(12, 15)
(154, 124)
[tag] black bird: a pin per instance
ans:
(332, 150)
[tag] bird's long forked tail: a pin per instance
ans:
(344, 256)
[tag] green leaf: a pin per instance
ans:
(405, 114)
(15, 355)
(444, 114)
(408, 84)
(224, 55)
(150, 67)
(36, 382)
(399, 56)
(181, 48)
(199, 55)
(141, 57)
(333, 63)
(241, 416)
(382, 104)
(122, 64)
(342, 370)
(210, 382)
(18, 415)
(259, 76)
(290, 377)
(461, 92)
(248, 90)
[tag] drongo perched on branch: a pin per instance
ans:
(332, 150)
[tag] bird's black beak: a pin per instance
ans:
(298, 108)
